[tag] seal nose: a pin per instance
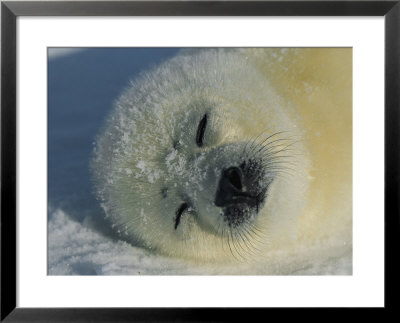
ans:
(230, 189)
(234, 176)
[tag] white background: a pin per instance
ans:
(363, 288)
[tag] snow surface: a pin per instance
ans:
(76, 249)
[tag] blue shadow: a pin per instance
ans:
(81, 90)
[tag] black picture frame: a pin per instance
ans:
(10, 10)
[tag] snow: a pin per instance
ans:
(77, 249)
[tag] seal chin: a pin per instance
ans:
(239, 215)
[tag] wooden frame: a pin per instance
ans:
(11, 10)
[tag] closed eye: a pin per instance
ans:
(179, 213)
(201, 129)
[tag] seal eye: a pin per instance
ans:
(201, 130)
(179, 213)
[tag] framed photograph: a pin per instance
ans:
(208, 149)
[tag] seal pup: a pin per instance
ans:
(203, 158)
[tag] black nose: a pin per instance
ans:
(231, 189)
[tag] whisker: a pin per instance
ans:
(245, 240)
(279, 168)
(255, 234)
(269, 137)
(225, 239)
(234, 245)
(269, 144)
(247, 230)
(284, 148)
(253, 140)
(275, 149)
(231, 249)
(246, 252)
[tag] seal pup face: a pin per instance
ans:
(224, 181)
(192, 159)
